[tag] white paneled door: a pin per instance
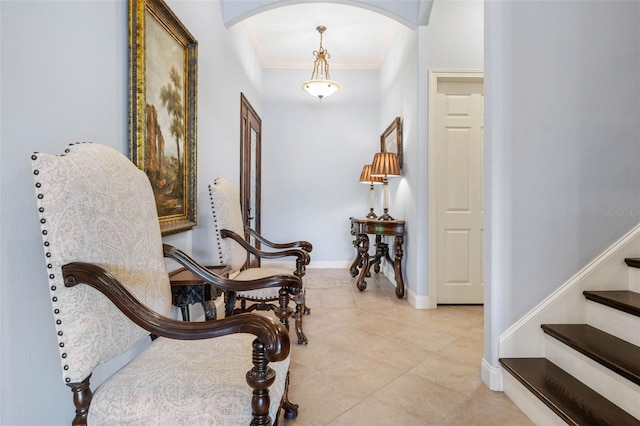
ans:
(458, 149)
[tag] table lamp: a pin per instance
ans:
(385, 164)
(366, 178)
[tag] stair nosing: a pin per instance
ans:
(615, 299)
(597, 346)
(632, 262)
(569, 401)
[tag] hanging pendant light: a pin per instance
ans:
(321, 84)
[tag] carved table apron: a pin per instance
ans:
(187, 289)
(361, 229)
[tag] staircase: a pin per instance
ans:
(590, 373)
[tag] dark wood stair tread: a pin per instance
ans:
(623, 300)
(572, 400)
(612, 352)
(633, 262)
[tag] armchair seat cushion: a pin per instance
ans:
(170, 382)
(262, 272)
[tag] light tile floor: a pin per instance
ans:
(373, 359)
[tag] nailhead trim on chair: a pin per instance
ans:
(216, 228)
(53, 288)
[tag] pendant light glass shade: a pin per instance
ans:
(321, 88)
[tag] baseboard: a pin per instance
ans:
(418, 302)
(387, 271)
(336, 264)
(491, 376)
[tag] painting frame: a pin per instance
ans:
(391, 139)
(160, 45)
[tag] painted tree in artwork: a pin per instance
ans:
(171, 97)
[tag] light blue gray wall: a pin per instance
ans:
(563, 132)
(409, 12)
(562, 118)
(64, 68)
(313, 153)
(452, 40)
(399, 98)
(57, 87)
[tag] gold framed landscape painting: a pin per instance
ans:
(163, 60)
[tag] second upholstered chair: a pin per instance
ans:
(233, 249)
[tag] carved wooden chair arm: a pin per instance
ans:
(270, 332)
(304, 245)
(302, 255)
(292, 283)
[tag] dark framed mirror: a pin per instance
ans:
(391, 139)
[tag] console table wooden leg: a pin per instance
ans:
(363, 252)
(381, 250)
(357, 262)
(208, 304)
(229, 303)
(397, 266)
(185, 313)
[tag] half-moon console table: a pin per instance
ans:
(361, 229)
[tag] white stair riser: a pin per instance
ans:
(617, 389)
(634, 279)
(620, 324)
(528, 403)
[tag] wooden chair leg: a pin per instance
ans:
(302, 339)
(260, 377)
(284, 312)
(290, 409)
(81, 399)
(306, 310)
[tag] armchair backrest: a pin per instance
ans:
(225, 205)
(96, 206)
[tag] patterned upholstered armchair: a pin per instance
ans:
(110, 289)
(233, 250)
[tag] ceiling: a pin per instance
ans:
(285, 37)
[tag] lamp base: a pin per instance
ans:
(371, 215)
(386, 215)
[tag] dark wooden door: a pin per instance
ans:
(250, 170)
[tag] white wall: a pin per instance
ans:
(562, 118)
(64, 68)
(313, 153)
